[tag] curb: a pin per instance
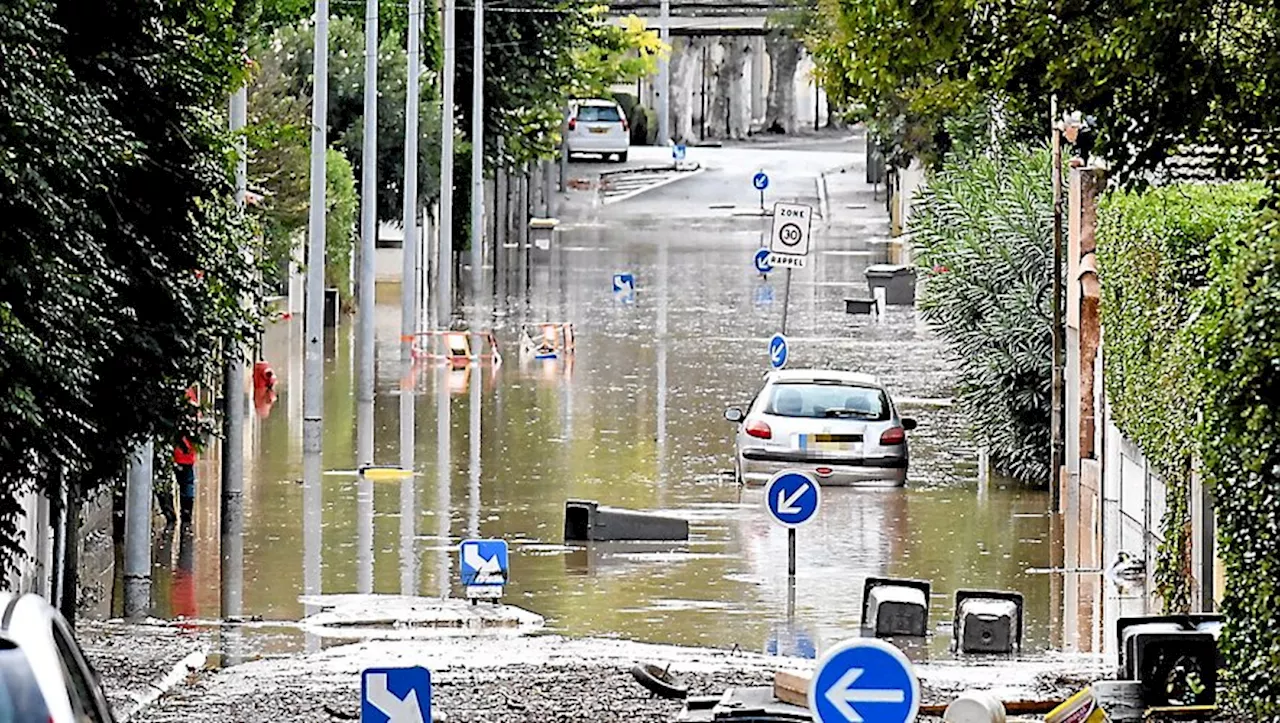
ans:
(649, 169)
(192, 662)
(680, 176)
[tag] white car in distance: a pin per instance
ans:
(598, 127)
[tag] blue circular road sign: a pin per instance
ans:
(792, 497)
(778, 351)
(678, 151)
(864, 679)
(760, 181)
(762, 261)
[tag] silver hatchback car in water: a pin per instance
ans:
(841, 427)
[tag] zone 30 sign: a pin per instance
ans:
(789, 241)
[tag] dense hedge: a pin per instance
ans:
(1191, 312)
(1153, 251)
(983, 231)
(1239, 334)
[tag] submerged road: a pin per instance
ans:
(633, 420)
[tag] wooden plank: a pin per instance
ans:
(791, 688)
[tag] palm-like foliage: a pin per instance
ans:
(983, 232)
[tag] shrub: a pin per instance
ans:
(1153, 251)
(1238, 335)
(1191, 311)
(983, 231)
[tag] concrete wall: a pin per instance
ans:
(32, 571)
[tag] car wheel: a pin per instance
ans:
(622, 157)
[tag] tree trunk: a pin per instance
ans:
(780, 107)
(684, 60)
(718, 117)
(739, 98)
(69, 596)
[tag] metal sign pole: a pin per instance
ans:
(786, 299)
(791, 552)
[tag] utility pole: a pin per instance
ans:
(409, 270)
(313, 325)
(445, 273)
(1057, 452)
(477, 149)
(664, 75)
(232, 512)
(368, 240)
(137, 534)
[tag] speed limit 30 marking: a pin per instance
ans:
(790, 237)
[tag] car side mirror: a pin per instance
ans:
(734, 414)
(908, 424)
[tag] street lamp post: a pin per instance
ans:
(1067, 126)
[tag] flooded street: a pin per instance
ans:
(633, 419)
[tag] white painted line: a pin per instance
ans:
(667, 181)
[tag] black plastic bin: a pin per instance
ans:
(897, 280)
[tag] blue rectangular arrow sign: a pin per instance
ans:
(483, 562)
(395, 695)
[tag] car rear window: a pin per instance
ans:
(599, 113)
(828, 399)
(20, 697)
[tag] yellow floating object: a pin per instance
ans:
(1079, 708)
(384, 474)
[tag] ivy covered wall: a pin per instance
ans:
(1191, 317)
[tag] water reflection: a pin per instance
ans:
(633, 420)
(444, 479)
(408, 493)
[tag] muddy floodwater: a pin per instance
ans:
(634, 419)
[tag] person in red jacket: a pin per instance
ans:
(184, 473)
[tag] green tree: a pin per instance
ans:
(1156, 76)
(279, 136)
(121, 255)
(983, 233)
(342, 205)
(281, 104)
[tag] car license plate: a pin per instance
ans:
(829, 442)
(600, 129)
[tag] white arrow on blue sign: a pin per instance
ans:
(793, 498)
(760, 181)
(762, 261)
(678, 151)
(778, 351)
(395, 695)
(864, 679)
(484, 562)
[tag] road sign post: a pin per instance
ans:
(395, 695)
(864, 679)
(761, 182)
(793, 498)
(778, 351)
(761, 262)
(484, 567)
(789, 244)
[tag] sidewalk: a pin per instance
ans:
(139, 663)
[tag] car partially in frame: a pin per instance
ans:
(842, 427)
